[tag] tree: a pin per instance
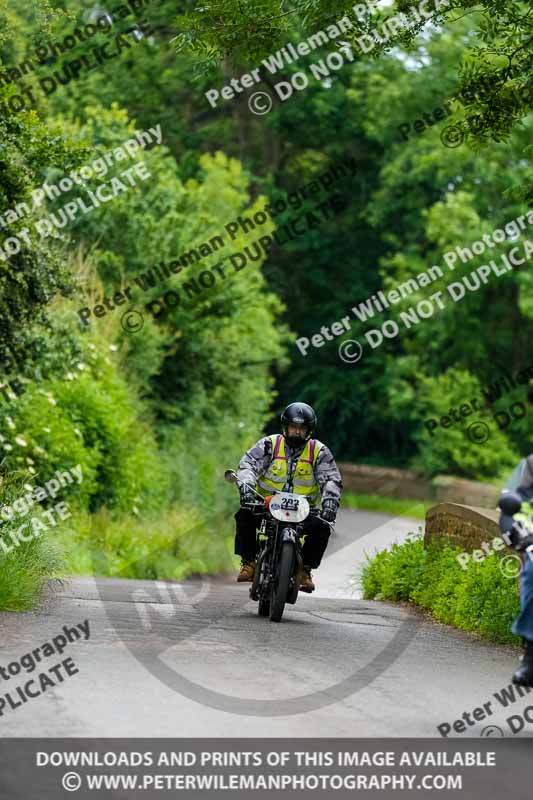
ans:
(495, 85)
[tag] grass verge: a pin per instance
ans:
(479, 598)
(168, 546)
(25, 569)
(386, 505)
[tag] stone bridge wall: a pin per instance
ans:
(407, 485)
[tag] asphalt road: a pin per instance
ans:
(194, 659)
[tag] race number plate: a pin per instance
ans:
(289, 507)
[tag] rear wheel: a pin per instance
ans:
(281, 587)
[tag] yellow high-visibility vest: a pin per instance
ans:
(304, 481)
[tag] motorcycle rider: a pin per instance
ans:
(521, 539)
(291, 461)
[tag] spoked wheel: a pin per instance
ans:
(280, 589)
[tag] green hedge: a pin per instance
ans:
(479, 598)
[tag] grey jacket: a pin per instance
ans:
(256, 461)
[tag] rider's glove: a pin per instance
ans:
(247, 496)
(329, 510)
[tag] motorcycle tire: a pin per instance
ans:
(280, 589)
(292, 596)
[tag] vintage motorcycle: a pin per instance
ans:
(515, 525)
(279, 563)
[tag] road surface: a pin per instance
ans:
(194, 659)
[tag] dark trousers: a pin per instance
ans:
(523, 625)
(315, 543)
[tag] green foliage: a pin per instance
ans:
(392, 574)
(479, 598)
(495, 85)
(451, 450)
(88, 418)
(30, 278)
(25, 568)
(150, 418)
(26, 572)
(169, 545)
(413, 201)
(154, 417)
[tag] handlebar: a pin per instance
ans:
(510, 503)
(515, 533)
(260, 507)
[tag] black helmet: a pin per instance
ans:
(298, 414)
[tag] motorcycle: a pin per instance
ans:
(515, 525)
(516, 533)
(279, 563)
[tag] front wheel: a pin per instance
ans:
(281, 586)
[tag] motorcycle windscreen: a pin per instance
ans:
(289, 507)
(514, 479)
(522, 477)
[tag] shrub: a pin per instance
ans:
(479, 598)
(450, 450)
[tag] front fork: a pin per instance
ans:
(263, 573)
(290, 535)
(260, 575)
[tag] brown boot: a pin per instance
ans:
(306, 581)
(247, 571)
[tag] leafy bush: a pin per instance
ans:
(154, 418)
(91, 418)
(479, 598)
(450, 450)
